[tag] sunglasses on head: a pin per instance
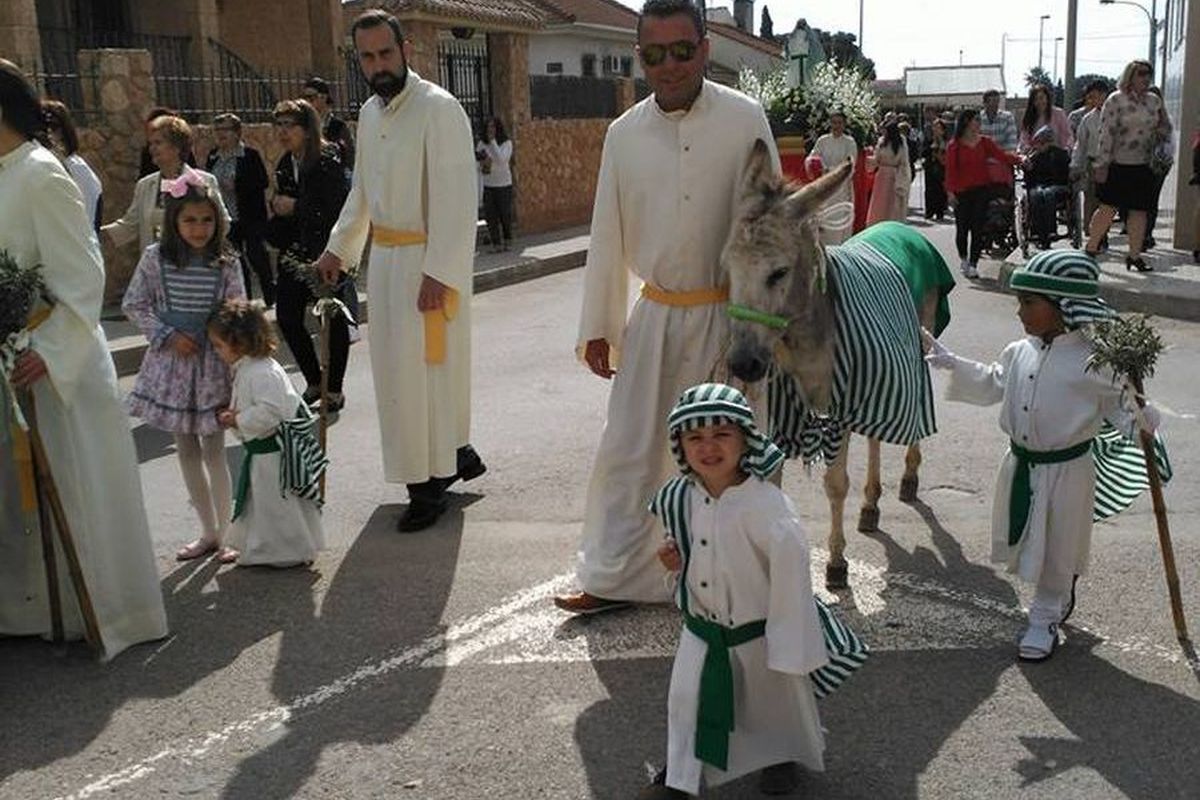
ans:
(681, 51)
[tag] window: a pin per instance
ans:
(627, 66)
(611, 65)
(554, 68)
(588, 65)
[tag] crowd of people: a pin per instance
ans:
(675, 446)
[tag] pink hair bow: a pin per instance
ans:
(177, 187)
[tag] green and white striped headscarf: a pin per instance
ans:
(716, 404)
(1071, 278)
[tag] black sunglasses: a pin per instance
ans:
(681, 51)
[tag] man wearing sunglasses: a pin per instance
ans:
(669, 181)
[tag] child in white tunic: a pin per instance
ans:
(1052, 409)
(742, 689)
(277, 517)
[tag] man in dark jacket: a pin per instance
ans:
(243, 180)
(334, 128)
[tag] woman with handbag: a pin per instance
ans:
(1133, 123)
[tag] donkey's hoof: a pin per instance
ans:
(837, 576)
(908, 489)
(868, 520)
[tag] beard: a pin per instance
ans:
(388, 84)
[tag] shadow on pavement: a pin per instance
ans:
(388, 595)
(60, 703)
(1139, 735)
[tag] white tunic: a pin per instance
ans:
(275, 529)
(664, 205)
(1050, 402)
(749, 561)
(84, 428)
(833, 152)
(143, 219)
(415, 171)
(89, 185)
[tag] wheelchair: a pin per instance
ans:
(1068, 222)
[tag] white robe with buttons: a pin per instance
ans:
(664, 206)
(749, 560)
(1049, 402)
(415, 171)
(84, 428)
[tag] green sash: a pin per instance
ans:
(714, 721)
(251, 448)
(1021, 498)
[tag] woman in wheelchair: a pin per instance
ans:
(1047, 185)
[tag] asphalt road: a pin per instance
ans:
(433, 666)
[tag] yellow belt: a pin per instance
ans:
(393, 237)
(695, 297)
(435, 321)
(22, 451)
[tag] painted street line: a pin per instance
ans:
(892, 611)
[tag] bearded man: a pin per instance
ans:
(414, 191)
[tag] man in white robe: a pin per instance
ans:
(414, 191)
(85, 431)
(834, 149)
(665, 202)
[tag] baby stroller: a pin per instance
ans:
(999, 221)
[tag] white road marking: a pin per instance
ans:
(525, 628)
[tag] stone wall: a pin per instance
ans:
(555, 166)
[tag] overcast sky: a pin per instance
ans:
(902, 33)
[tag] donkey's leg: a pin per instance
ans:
(837, 485)
(868, 516)
(910, 481)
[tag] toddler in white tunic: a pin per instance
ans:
(273, 526)
(1052, 408)
(743, 565)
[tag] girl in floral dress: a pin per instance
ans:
(183, 382)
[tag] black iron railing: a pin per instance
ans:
(464, 72)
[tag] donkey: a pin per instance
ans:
(794, 317)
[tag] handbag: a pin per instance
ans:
(1161, 157)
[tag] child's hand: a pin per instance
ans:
(227, 418)
(669, 555)
(183, 344)
(938, 355)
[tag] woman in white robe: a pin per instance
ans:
(82, 424)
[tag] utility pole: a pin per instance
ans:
(1054, 74)
(860, 26)
(1069, 67)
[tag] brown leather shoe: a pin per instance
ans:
(584, 603)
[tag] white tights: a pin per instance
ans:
(212, 494)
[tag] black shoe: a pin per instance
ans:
(779, 779)
(1149, 243)
(1138, 264)
(470, 465)
(421, 514)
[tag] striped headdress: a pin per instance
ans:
(715, 404)
(1071, 278)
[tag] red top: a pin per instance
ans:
(966, 167)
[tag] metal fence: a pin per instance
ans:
(465, 72)
(572, 97)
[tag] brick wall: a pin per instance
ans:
(555, 166)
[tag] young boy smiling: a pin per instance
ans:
(741, 698)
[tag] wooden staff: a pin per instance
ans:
(50, 509)
(323, 431)
(1160, 517)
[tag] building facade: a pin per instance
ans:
(1179, 200)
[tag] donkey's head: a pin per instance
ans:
(776, 270)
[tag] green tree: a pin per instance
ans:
(1037, 75)
(843, 48)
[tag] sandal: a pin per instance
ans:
(196, 549)
(228, 555)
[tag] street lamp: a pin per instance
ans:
(1151, 14)
(1054, 75)
(1041, 29)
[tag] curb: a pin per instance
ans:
(1126, 299)
(127, 351)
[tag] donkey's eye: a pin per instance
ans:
(776, 276)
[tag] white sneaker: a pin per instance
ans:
(964, 266)
(1039, 642)
(971, 271)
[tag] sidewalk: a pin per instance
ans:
(531, 257)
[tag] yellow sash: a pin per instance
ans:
(695, 297)
(22, 451)
(393, 237)
(435, 328)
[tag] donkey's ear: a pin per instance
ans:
(813, 195)
(759, 179)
